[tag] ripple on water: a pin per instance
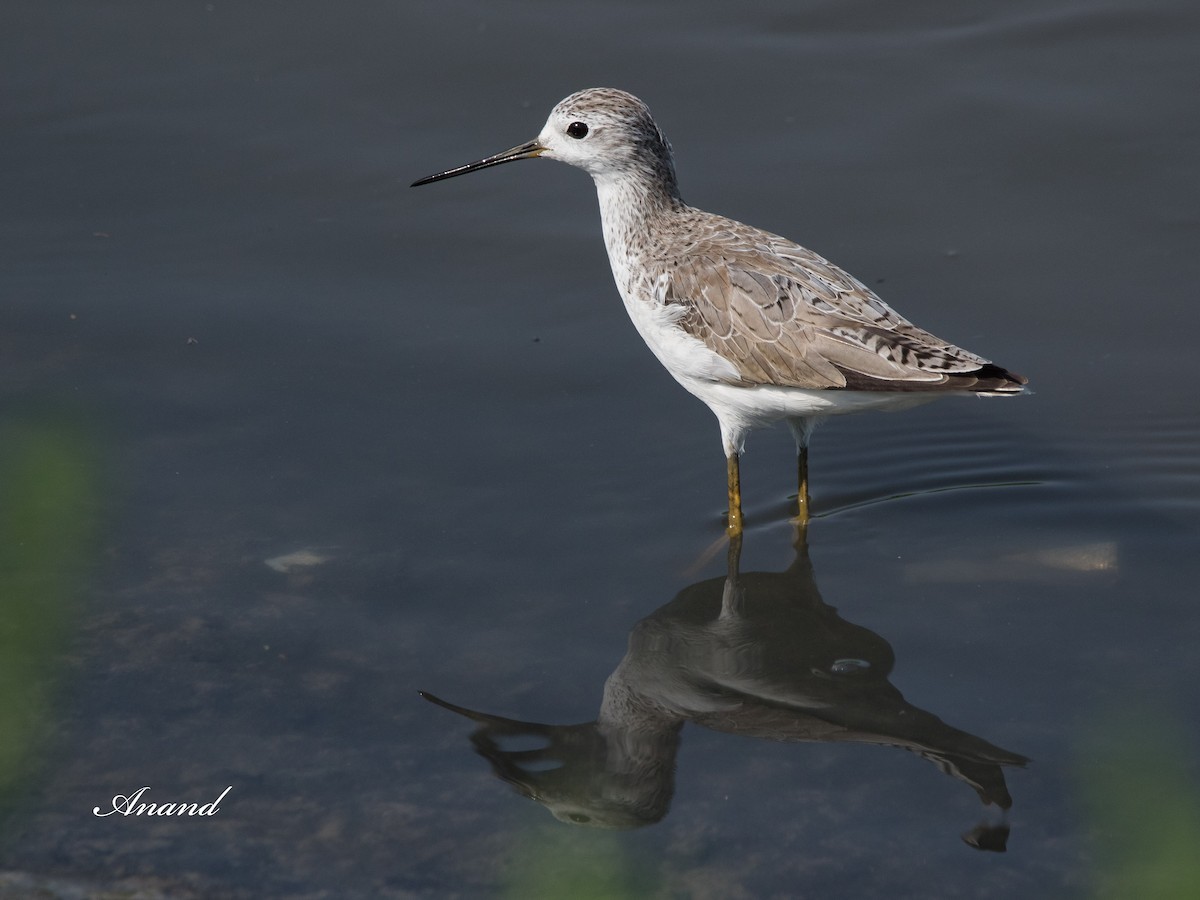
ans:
(1148, 464)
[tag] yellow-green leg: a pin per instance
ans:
(802, 429)
(802, 504)
(733, 473)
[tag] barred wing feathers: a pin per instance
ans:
(785, 316)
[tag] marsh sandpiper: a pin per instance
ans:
(759, 328)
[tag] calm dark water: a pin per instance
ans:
(334, 441)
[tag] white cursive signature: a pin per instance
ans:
(131, 806)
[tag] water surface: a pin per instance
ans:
(339, 441)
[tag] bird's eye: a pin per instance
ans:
(577, 130)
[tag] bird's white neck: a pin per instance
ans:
(630, 209)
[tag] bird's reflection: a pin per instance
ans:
(758, 654)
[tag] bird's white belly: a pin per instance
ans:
(751, 407)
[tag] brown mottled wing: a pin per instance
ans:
(784, 316)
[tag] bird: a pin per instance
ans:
(756, 326)
(756, 654)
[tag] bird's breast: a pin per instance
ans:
(686, 357)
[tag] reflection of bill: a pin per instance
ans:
(757, 654)
(132, 805)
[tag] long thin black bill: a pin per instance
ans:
(523, 151)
